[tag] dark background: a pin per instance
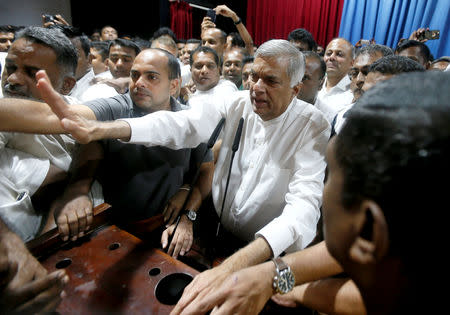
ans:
(142, 18)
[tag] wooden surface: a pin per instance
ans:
(109, 274)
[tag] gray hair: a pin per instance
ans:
(66, 53)
(282, 49)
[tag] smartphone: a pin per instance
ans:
(49, 18)
(430, 34)
(212, 14)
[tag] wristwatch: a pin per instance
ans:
(284, 280)
(191, 214)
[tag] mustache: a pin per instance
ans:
(142, 91)
(9, 88)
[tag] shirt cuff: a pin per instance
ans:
(278, 238)
(139, 130)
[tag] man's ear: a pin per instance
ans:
(68, 84)
(372, 243)
(175, 85)
(296, 88)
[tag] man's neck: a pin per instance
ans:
(332, 81)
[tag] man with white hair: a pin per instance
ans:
(274, 191)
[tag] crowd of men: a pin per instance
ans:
(351, 140)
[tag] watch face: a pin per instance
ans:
(192, 215)
(286, 282)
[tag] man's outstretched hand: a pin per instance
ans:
(72, 122)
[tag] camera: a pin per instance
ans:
(429, 34)
(49, 18)
(212, 14)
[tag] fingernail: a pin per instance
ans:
(164, 245)
(65, 238)
(65, 279)
(182, 253)
(63, 294)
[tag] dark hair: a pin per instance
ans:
(302, 35)
(66, 53)
(124, 43)
(394, 149)
(8, 28)
(74, 33)
(194, 41)
(444, 58)
(180, 41)
(142, 43)
(164, 31)
(236, 40)
(424, 50)
(206, 50)
(395, 64)
(101, 47)
(173, 66)
(323, 65)
(247, 59)
(372, 49)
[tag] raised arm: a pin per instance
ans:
(79, 120)
(29, 116)
(226, 11)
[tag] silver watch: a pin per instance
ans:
(191, 214)
(284, 280)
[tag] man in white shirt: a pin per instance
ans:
(85, 89)
(205, 69)
(274, 191)
(335, 93)
(30, 162)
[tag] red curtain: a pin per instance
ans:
(181, 19)
(274, 19)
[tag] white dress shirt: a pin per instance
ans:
(223, 89)
(85, 90)
(332, 101)
(276, 181)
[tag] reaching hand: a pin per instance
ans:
(25, 286)
(418, 35)
(80, 128)
(243, 292)
(225, 11)
(207, 23)
(182, 240)
(174, 206)
(73, 216)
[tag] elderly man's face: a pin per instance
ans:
(120, 61)
(338, 58)
(24, 59)
(205, 72)
(271, 91)
(150, 87)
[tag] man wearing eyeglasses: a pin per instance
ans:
(364, 58)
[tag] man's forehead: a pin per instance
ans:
(122, 50)
(212, 32)
(151, 59)
(339, 44)
(29, 50)
(204, 56)
(270, 64)
(366, 59)
(233, 54)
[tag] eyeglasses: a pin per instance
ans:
(353, 73)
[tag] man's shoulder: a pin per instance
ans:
(309, 111)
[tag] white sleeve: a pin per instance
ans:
(177, 130)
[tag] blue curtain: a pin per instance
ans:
(389, 20)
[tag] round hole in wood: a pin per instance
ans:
(63, 263)
(170, 288)
(154, 272)
(113, 246)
